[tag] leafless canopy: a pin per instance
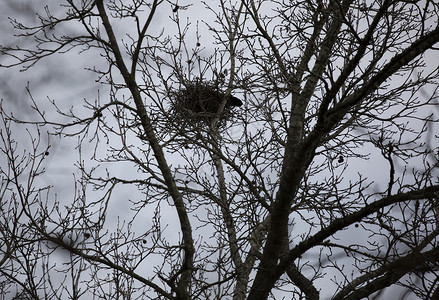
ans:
(322, 184)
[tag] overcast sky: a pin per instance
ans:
(63, 78)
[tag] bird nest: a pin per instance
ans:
(199, 102)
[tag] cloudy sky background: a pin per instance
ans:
(64, 78)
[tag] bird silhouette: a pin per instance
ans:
(233, 101)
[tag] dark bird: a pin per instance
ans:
(233, 101)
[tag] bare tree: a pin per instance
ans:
(263, 149)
